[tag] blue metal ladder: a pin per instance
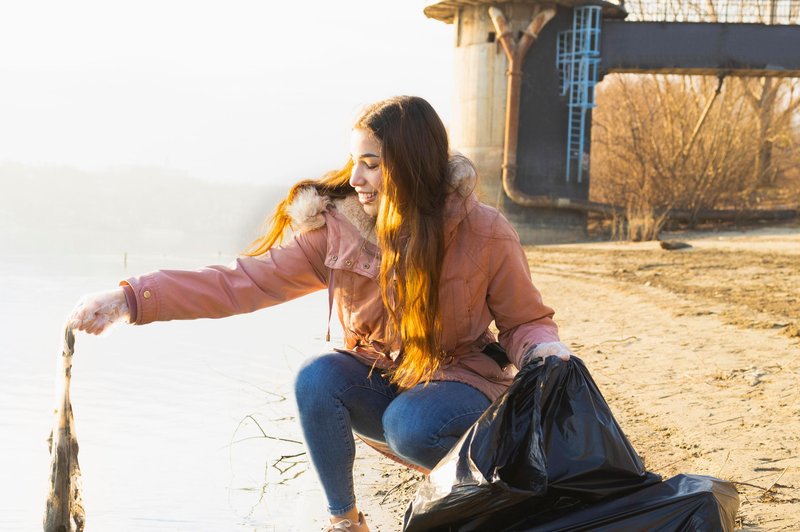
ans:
(577, 60)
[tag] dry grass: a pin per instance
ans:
(663, 143)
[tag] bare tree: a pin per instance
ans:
(662, 143)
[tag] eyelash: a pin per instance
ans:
(371, 166)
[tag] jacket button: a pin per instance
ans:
(333, 258)
(146, 294)
(348, 262)
(366, 266)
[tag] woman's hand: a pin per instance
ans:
(547, 349)
(96, 312)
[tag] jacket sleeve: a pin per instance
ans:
(515, 303)
(249, 283)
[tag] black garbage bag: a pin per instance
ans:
(548, 445)
(684, 502)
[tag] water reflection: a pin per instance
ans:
(161, 410)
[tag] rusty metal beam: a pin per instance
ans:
(700, 49)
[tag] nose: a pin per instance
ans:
(356, 177)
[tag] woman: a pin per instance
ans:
(418, 269)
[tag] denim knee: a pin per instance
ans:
(317, 377)
(410, 438)
(422, 424)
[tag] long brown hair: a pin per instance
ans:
(410, 228)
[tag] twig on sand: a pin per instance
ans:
(726, 420)
(623, 340)
(727, 457)
(769, 489)
(671, 394)
(737, 483)
(773, 460)
(262, 437)
(262, 491)
(758, 477)
(263, 432)
(285, 481)
(398, 487)
(286, 456)
(284, 459)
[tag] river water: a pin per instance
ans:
(161, 410)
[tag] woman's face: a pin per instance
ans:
(367, 175)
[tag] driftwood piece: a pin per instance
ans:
(671, 245)
(64, 512)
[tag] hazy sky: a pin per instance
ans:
(229, 91)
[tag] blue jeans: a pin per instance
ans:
(336, 396)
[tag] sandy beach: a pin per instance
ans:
(696, 351)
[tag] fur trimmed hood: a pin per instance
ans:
(308, 207)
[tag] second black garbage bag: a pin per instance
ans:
(549, 444)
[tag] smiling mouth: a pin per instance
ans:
(364, 197)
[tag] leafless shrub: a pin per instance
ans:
(662, 143)
(638, 224)
(667, 142)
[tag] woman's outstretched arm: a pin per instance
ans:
(249, 283)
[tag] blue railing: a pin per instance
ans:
(577, 60)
